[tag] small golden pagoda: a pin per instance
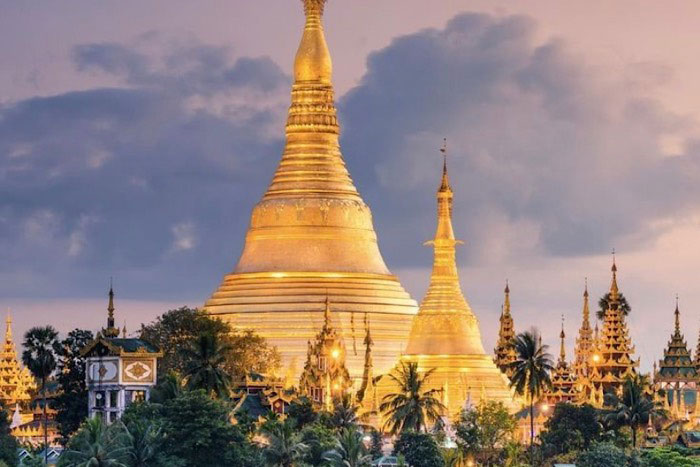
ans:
(312, 235)
(563, 377)
(583, 352)
(612, 360)
(325, 375)
(505, 349)
(676, 374)
(16, 382)
(445, 333)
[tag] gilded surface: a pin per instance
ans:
(312, 236)
(445, 334)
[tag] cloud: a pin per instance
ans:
(97, 183)
(548, 155)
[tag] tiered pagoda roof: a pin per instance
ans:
(563, 378)
(584, 345)
(677, 364)
(613, 362)
(325, 374)
(505, 349)
(16, 383)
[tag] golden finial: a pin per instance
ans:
(313, 60)
(445, 182)
(111, 330)
(327, 313)
(506, 300)
(562, 335)
(124, 330)
(614, 291)
(677, 314)
(8, 329)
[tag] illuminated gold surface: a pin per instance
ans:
(445, 333)
(312, 236)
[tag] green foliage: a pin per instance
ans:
(419, 450)
(285, 447)
(603, 303)
(484, 431)
(319, 439)
(633, 408)
(349, 450)
(96, 444)
(302, 411)
(603, 455)
(8, 444)
(376, 443)
(414, 406)
(531, 369)
(169, 387)
(39, 357)
(205, 369)
(570, 428)
(71, 403)
(181, 328)
(344, 415)
(665, 457)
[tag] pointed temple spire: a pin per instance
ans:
(445, 333)
(111, 330)
(504, 353)
(614, 346)
(8, 328)
(676, 371)
(562, 348)
(585, 347)
(564, 387)
(312, 231)
(367, 388)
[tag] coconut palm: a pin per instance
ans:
(142, 442)
(349, 451)
(39, 357)
(531, 369)
(96, 445)
(284, 445)
(603, 304)
(205, 368)
(633, 408)
(344, 413)
(414, 406)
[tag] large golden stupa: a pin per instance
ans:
(445, 334)
(311, 237)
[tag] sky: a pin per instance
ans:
(135, 138)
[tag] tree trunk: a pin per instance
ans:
(634, 436)
(532, 431)
(46, 433)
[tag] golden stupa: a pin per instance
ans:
(311, 237)
(445, 333)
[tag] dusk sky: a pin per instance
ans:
(136, 136)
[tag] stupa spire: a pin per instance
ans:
(444, 297)
(614, 290)
(677, 315)
(8, 328)
(562, 348)
(111, 330)
(504, 353)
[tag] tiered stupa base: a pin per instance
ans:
(287, 310)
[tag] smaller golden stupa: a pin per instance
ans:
(445, 333)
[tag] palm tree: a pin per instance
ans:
(349, 451)
(39, 357)
(168, 388)
(284, 446)
(414, 405)
(205, 368)
(531, 370)
(603, 305)
(633, 408)
(344, 413)
(96, 445)
(143, 440)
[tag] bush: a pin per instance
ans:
(603, 455)
(665, 457)
(419, 450)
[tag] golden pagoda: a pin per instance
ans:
(612, 361)
(16, 383)
(312, 235)
(445, 334)
(325, 375)
(677, 375)
(583, 352)
(563, 377)
(504, 353)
